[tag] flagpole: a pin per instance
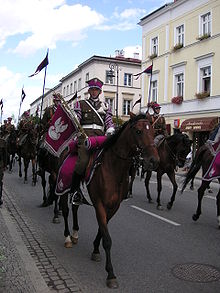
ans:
(149, 92)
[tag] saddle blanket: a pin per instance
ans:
(64, 178)
(214, 169)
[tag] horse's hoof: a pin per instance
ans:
(68, 244)
(112, 283)
(74, 239)
(195, 217)
(56, 220)
(44, 204)
(150, 201)
(96, 257)
(169, 206)
(191, 187)
(160, 208)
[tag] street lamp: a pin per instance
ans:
(113, 67)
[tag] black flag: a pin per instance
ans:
(23, 95)
(137, 102)
(43, 64)
(148, 70)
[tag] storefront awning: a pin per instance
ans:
(199, 124)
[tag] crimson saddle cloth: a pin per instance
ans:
(64, 178)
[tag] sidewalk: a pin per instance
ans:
(18, 271)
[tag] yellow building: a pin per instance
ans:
(182, 40)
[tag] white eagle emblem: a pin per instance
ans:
(55, 130)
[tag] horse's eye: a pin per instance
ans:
(138, 131)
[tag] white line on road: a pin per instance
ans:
(156, 216)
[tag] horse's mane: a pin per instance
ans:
(111, 140)
(172, 139)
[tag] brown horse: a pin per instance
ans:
(109, 184)
(27, 150)
(203, 158)
(172, 152)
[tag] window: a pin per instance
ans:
(64, 91)
(126, 107)
(179, 84)
(154, 46)
(87, 78)
(154, 90)
(109, 78)
(79, 84)
(205, 74)
(71, 88)
(67, 90)
(75, 86)
(180, 35)
(205, 24)
(110, 101)
(128, 79)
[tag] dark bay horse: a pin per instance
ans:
(172, 152)
(27, 150)
(109, 184)
(11, 141)
(203, 158)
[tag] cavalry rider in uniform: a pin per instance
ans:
(3, 128)
(158, 121)
(9, 127)
(3, 164)
(49, 112)
(96, 119)
(23, 127)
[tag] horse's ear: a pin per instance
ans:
(132, 115)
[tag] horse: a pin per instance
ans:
(109, 183)
(27, 148)
(203, 158)
(11, 141)
(172, 151)
(133, 171)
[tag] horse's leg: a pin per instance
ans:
(19, 162)
(107, 243)
(147, 180)
(96, 243)
(75, 236)
(159, 188)
(26, 164)
(34, 174)
(65, 212)
(43, 183)
(173, 180)
(218, 205)
(201, 192)
(132, 177)
(56, 219)
(192, 184)
(10, 162)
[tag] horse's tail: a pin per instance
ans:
(195, 166)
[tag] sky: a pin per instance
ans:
(73, 31)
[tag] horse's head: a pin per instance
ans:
(141, 140)
(183, 148)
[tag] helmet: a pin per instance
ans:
(154, 105)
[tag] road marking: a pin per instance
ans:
(156, 216)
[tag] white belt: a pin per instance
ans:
(93, 126)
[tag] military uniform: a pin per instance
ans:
(96, 119)
(3, 164)
(159, 125)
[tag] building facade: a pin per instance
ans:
(182, 41)
(120, 89)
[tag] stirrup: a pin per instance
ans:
(77, 198)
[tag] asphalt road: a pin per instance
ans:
(152, 252)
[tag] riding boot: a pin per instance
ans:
(75, 192)
(1, 187)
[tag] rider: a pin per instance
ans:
(49, 112)
(3, 164)
(158, 120)
(96, 119)
(24, 125)
(3, 128)
(9, 126)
